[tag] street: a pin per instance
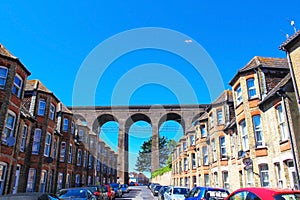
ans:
(138, 193)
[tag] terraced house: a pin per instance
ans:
(246, 136)
(44, 147)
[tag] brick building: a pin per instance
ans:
(245, 136)
(44, 147)
(13, 117)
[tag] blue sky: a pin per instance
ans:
(54, 39)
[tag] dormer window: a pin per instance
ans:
(251, 88)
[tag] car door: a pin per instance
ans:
(193, 194)
(168, 193)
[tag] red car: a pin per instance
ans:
(110, 192)
(256, 193)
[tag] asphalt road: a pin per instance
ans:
(138, 193)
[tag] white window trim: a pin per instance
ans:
(223, 146)
(41, 109)
(244, 135)
(238, 92)
(4, 77)
(18, 87)
(52, 111)
(62, 153)
(23, 138)
(65, 124)
(12, 128)
(252, 88)
(258, 129)
(37, 141)
(70, 157)
(47, 147)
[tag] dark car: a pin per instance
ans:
(75, 193)
(199, 192)
(264, 193)
(117, 189)
(99, 191)
(156, 189)
(124, 188)
(29, 196)
(161, 192)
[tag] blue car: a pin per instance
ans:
(199, 193)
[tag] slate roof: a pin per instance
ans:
(32, 85)
(4, 52)
(224, 97)
(262, 62)
(289, 41)
(36, 84)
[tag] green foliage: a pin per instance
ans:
(161, 171)
(143, 163)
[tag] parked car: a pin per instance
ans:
(156, 189)
(256, 193)
(124, 188)
(175, 192)
(99, 191)
(110, 192)
(75, 193)
(161, 192)
(199, 192)
(29, 196)
(117, 189)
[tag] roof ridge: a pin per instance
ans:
(4, 51)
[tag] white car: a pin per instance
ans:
(175, 193)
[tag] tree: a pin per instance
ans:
(143, 163)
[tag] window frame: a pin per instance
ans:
(282, 123)
(31, 180)
(52, 111)
(264, 172)
(17, 89)
(23, 138)
(238, 94)
(79, 157)
(205, 155)
(70, 156)
(47, 147)
(223, 152)
(251, 88)
(4, 78)
(62, 153)
(244, 135)
(10, 125)
(36, 141)
(65, 124)
(42, 107)
(258, 131)
(220, 119)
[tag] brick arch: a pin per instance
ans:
(172, 116)
(135, 118)
(102, 119)
(96, 116)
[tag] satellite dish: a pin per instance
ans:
(10, 141)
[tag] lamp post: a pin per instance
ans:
(282, 94)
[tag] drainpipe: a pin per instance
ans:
(283, 95)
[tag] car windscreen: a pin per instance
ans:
(180, 191)
(287, 197)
